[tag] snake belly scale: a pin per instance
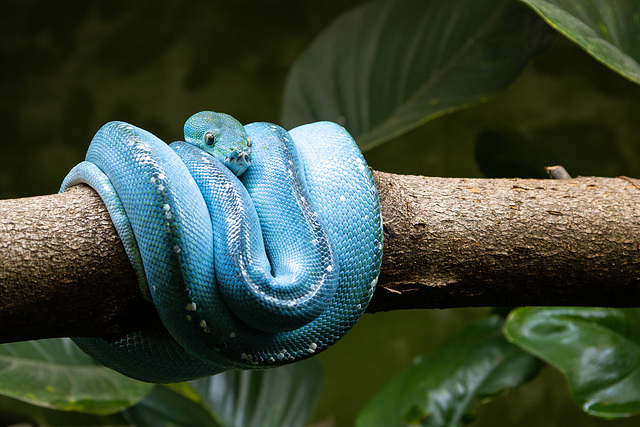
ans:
(258, 247)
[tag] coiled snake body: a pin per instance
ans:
(250, 272)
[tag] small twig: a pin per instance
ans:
(557, 172)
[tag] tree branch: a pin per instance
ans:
(448, 243)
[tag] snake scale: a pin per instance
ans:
(258, 247)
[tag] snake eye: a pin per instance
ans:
(209, 138)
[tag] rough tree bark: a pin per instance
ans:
(448, 243)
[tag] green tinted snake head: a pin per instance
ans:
(222, 136)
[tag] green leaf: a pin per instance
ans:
(167, 407)
(597, 349)
(608, 30)
(390, 65)
(56, 374)
(16, 412)
(279, 397)
(442, 389)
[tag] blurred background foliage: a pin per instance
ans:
(70, 66)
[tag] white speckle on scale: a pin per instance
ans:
(167, 214)
(203, 324)
(312, 347)
(189, 317)
(314, 242)
(152, 180)
(166, 207)
(160, 187)
(191, 306)
(359, 307)
(330, 268)
(361, 166)
(176, 249)
(232, 334)
(342, 198)
(280, 356)
(161, 176)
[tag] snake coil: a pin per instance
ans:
(258, 247)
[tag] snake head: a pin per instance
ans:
(222, 136)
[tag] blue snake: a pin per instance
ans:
(258, 247)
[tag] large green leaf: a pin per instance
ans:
(166, 407)
(598, 349)
(608, 30)
(390, 65)
(443, 388)
(17, 412)
(279, 397)
(56, 374)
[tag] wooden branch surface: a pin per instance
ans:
(448, 243)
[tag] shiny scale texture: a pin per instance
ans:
(246, 272)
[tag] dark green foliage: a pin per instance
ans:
(506, 102)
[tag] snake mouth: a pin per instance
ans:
(237, 162)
